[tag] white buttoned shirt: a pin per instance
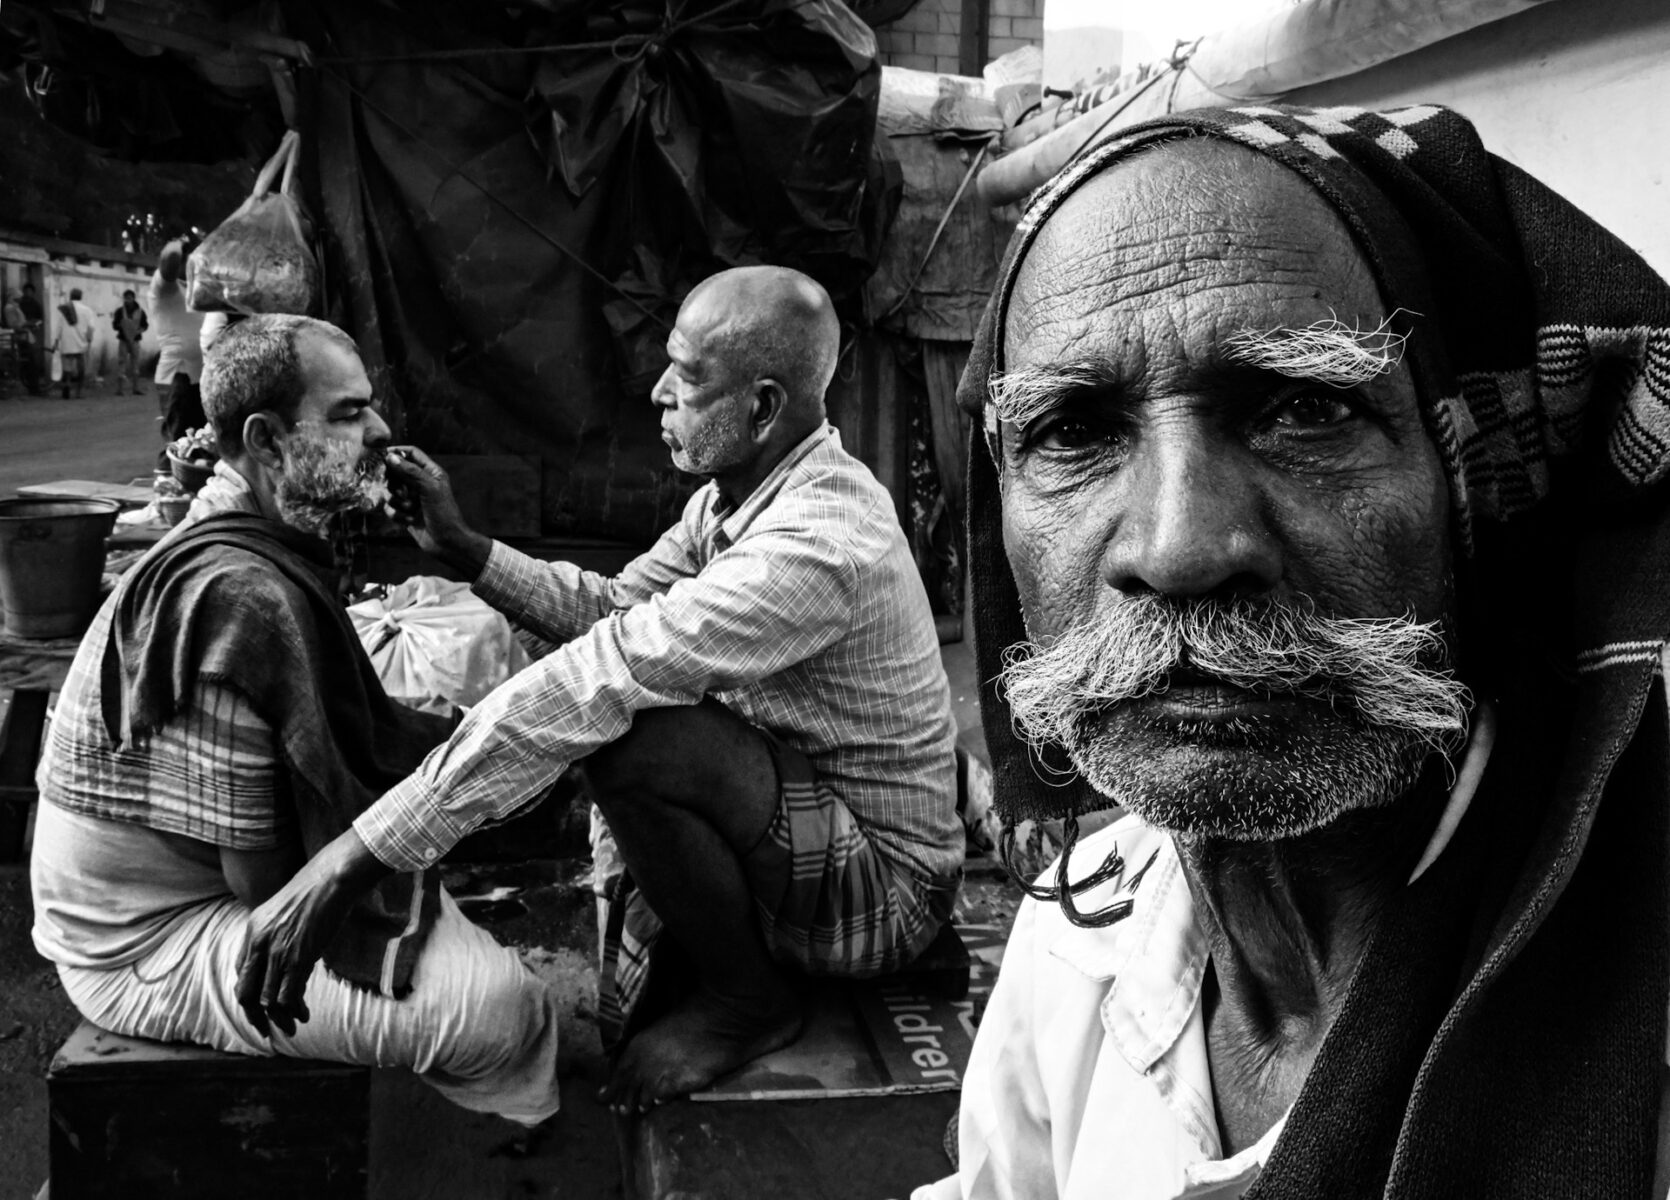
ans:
(1089, 1078)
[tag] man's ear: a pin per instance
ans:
(261, 432)
(769, 401)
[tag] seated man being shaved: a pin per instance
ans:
(221, 723)
(758, 702)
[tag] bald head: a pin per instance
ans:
(748, 361)
(770, 323)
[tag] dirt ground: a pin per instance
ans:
(108, 438)
(35, 1018)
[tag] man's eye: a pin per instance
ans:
(1312, 410)
(1065, 433)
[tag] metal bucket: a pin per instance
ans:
(51, 558)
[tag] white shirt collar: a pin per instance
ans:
(1155, 960)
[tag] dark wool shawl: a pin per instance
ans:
(249, 603)
(1504, 1035)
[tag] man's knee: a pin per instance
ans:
(637, 764)
(700, 759)
(508, 1010)
(512, 1002)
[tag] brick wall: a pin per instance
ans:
(926, 37)
(1014, 23)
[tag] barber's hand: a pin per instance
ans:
(289, 933)
(431, 511)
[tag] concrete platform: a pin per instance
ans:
(871, 1147)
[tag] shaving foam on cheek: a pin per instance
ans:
(324, 477)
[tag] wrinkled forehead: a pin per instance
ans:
(1180, 220)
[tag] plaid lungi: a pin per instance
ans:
(829, 902)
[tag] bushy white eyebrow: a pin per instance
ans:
(1024, 394)
(1329, 351)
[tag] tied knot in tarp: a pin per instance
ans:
(748, 122)
(672, 21)
(634, 48)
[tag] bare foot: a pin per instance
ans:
(707, 1036)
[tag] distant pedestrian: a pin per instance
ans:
(179, 357)
(131, 323)
(74, 340)
(36, 317)
(23, 344)
(31, 305)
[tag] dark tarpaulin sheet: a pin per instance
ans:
(457, 201)
(86, 82)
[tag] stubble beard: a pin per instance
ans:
(1245, 781)
(715, 444)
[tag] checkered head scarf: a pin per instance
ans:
(1539, 345)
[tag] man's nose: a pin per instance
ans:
(661, 395)
(1192, 520)
(377, 432)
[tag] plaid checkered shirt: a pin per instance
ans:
(211, 773)
(800, 609)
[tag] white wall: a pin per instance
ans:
(1143, 31)
(1077, 56)
(1576, 92)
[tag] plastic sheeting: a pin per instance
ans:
(747, 131)
(937, 289)
(509, 237)
(434, 644)
(944, 248)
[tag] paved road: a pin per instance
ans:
(111, 439)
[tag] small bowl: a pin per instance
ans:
(173, 509)
(189, 475)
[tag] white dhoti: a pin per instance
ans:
(478, 1025)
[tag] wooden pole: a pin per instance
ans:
(974, 37)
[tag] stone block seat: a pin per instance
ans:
(145, 1120)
